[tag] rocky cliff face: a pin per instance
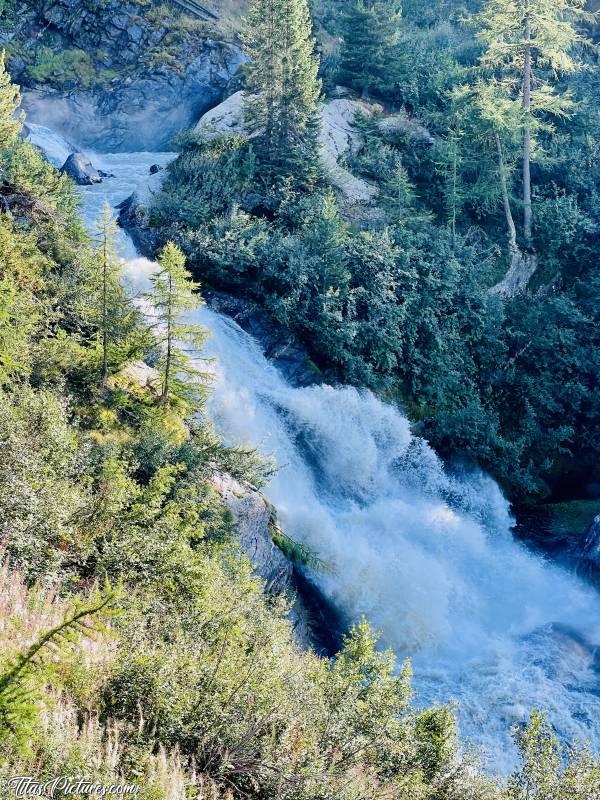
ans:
(589, 564)
(315, 624)
(132, 74)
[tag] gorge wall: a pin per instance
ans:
(132, 74)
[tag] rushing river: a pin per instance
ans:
(429, 559)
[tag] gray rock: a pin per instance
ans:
(135, 33)
(280, 346)
(401, 123)
(144, 113)
(338, 139)
(253, 516)
(226, 119)
(134, 213)
(80, 169)
(137, 373)
(589, 563)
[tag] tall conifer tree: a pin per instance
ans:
(370, 35)
(281, 106)
(111, 296)
(528, 43)
(10, 101)
(173, 293)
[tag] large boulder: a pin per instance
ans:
(338, 139)
(137, 374)
(134, 212)
(80, 169)
(226, 119)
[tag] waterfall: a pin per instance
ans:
(427, 557)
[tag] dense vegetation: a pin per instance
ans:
(135, 643)
(470, 292)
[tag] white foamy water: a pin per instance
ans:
(428, 558)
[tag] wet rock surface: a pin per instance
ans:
(280, 346)
(254, 517)
(589, 563)
(81, 170)
(130, 75)
(143, 113)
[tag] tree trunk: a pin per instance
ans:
(454, 188)
(510, 222)
(522, 265)
(169, 355)
(527, 210)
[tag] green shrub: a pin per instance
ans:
(61, 68)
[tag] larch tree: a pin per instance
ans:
(528, 44)
(370, 35)
(10, 100)
(281, 107)
(174, 293)
(112, 301)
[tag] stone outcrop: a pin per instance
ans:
(81, 170)
(143, 113)
(589, 563)
(280, 346)
(338, 139)
(137, 374)
(402, 124)
(138, 74)
(253, 516)
(133, 212)
(223, 120)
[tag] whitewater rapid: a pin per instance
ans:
(428, 558)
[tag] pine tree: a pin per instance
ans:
(370, 35)
(173, 293)
(10, 101)
(398, 196)
(281, 104)
(528, 43)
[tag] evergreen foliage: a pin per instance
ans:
(173, 293)
(529, 43)
(401, 297)
(9, 103)
(21, 680)
(197, 688)
(112, 302)
(281, 105)
(370, 31)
